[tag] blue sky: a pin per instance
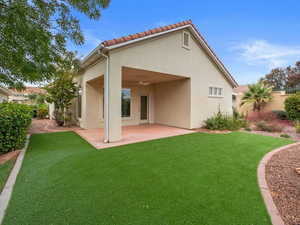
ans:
(250, 37)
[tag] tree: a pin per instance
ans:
(63, 90)
(257, 95)
(277, 78)
(33, 36)
(283, 78)
(293, 79)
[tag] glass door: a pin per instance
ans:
(144, 109)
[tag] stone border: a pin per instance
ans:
(9, 185)
(264, 188)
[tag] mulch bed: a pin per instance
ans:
(284, 184)
(8, 156)
(204, 130)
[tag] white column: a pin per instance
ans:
(112, 103)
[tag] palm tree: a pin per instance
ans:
(257, 95)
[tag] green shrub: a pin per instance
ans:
(280, 114)
(248, 129)
(34, 110)
(42, 111)
(297, 126)
(285, 136)
(14, 122)
(292, 106)
(224, 122)
(263, 126)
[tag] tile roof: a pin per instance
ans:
(30, 90)
(145, 33)
(158, 30)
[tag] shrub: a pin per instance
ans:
(42, 111)
(285, 136)
(259, 116)
(248, 129)
(297, 126)
(34, 110)
(14, 122)
(264, 126)
(224, 122)
(292, 106)
(280, 114)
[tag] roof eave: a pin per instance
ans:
(192, 28)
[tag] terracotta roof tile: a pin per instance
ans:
(145, 33)
(159, 30)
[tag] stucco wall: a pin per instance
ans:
(163, 54)
(277, 103)
(172, 103)
(166, 55)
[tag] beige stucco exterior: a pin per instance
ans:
(178, 87)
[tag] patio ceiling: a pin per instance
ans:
(139, 77)
(131, 76)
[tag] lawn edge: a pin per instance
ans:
(264, 188)
(10, 182)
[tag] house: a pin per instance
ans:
(4, 93)
(168, 75)
(276, 104)
(23, 96)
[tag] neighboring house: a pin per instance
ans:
(168, 75)
(4, 93)
(276, 104)
(23, 95)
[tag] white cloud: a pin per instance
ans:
(261, 52)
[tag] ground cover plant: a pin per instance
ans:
(191, 179)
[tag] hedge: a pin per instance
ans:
(292, 106)
(14, 122)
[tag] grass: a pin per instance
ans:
(4, 172)
(198, 178)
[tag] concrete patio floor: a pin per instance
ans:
(132, 134)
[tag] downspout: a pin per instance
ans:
(106, 95)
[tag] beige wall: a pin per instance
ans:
(277, 103)
(163, 54)
(166, 55)
(173, 103)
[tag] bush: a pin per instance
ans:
(42, 111)
(14, 122)
(297, 126)
(224, 122)
(292, 106)
(263, 126)
(248, 129)
(285, 136)
(280, 114)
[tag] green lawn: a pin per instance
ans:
(4, 172)
(195, 179)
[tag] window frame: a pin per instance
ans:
(130, 106)
(212, 89)
(189, 40)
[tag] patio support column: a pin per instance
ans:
(112, 102)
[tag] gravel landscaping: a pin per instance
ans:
(284, 183)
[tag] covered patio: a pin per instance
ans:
(131, 134)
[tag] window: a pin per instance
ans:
(186, 40)
(126, 100)
(215, 91)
